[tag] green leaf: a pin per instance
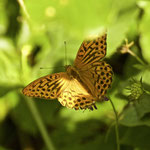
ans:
(136, 113)
(3, 18)
(137, 137)
(8, 88)
(145, 32)
(9, 62)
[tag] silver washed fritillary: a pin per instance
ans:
(82, 84)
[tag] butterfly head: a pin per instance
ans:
(72, 71)
(67, 67)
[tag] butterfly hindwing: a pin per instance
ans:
(102, 77)
(99, 77)
(76, 96)
(72, 99)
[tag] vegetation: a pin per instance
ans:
(32, 35)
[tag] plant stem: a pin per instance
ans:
(116, 126)
(21, 2)
(40, 124)
(137, 57)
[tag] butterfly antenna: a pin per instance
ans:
(65, 53)
(51, 67)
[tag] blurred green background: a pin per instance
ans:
(32, 35)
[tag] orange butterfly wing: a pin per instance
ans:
(76, 96)
(47, 87)
(90, 51)
(95, 73)
(99, 77)
(70, 92)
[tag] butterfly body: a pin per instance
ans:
(72, 72)
(82, 84)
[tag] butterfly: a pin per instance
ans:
(82, 84)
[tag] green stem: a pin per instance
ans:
(22, 5)
(137, 57)
(116, 126)
(40, 124)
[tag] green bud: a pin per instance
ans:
(136, 90)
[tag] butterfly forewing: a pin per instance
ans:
(91, 51)
(47, 87)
